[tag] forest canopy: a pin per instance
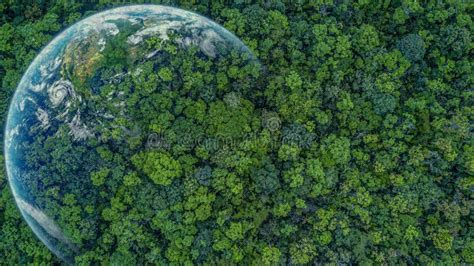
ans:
(351, 143)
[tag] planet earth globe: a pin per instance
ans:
(105, 107)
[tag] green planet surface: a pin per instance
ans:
(116, 101)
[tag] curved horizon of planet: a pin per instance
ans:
(46, 102)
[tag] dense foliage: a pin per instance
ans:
(354, 145)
